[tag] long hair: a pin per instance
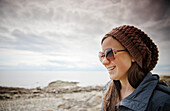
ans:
(112, 96)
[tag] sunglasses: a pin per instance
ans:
(109, 54)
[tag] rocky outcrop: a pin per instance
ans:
(57, 96)
(56, 87)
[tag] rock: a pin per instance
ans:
(60, 83)
(97, 100)
(5, 96)
(48, 110)
(165, 79)
(64, 106)
(82, 109)
(98, 108)
(35, 91)
(38, 88)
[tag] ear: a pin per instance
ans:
(133, 60)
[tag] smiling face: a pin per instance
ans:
(121, 63)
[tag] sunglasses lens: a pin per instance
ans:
(109, 54)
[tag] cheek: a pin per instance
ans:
(123, 65)
(126, 66)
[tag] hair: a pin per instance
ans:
(112, 96)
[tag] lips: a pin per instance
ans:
(111, 68)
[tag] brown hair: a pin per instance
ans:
(112, 96)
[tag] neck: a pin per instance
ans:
(126, 88)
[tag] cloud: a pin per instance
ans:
(65, 35)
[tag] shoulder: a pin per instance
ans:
(160, 99)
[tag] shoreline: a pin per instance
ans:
(164, 77)
(55, 87)
(57, 96)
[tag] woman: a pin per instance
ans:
(129, 55)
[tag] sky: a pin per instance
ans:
(65, 35)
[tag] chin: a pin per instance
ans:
(112, 77)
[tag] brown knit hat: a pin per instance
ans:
(138, 44)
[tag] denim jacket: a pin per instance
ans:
(150, 95)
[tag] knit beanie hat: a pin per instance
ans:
(138, 44)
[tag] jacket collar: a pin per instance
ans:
(139, 99)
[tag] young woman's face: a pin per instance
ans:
(121, 63)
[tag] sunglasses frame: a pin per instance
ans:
(106, 54)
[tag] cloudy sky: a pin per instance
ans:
(66, 34)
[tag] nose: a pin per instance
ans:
(105, 61)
